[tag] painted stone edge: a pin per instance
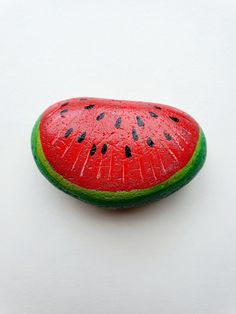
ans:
(120, 199)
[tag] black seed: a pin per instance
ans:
(150, 142)
(157, 107)
(104, 149)
(63, 111)
(68, 132)
(140, 121)
(153, 114)
(135, 135)
(93, 150)
(81, 137)
(128, 152)
(174, 119)
(99, 117)
(118, 123)
(167, 136)
(89, 107)
(65, 104)
(83, 99)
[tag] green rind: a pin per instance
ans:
(120, 199)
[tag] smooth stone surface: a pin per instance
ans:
(117, 153)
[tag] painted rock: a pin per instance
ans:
(116, 153)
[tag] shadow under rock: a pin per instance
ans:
(171, 202)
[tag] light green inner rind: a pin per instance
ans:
(119, 199)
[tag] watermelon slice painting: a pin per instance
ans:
(117, 153)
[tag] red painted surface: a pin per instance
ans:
(114, 171)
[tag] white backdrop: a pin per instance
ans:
(60, 256)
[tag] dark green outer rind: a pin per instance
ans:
(120, 199)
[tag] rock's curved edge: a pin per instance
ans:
(119, 199)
